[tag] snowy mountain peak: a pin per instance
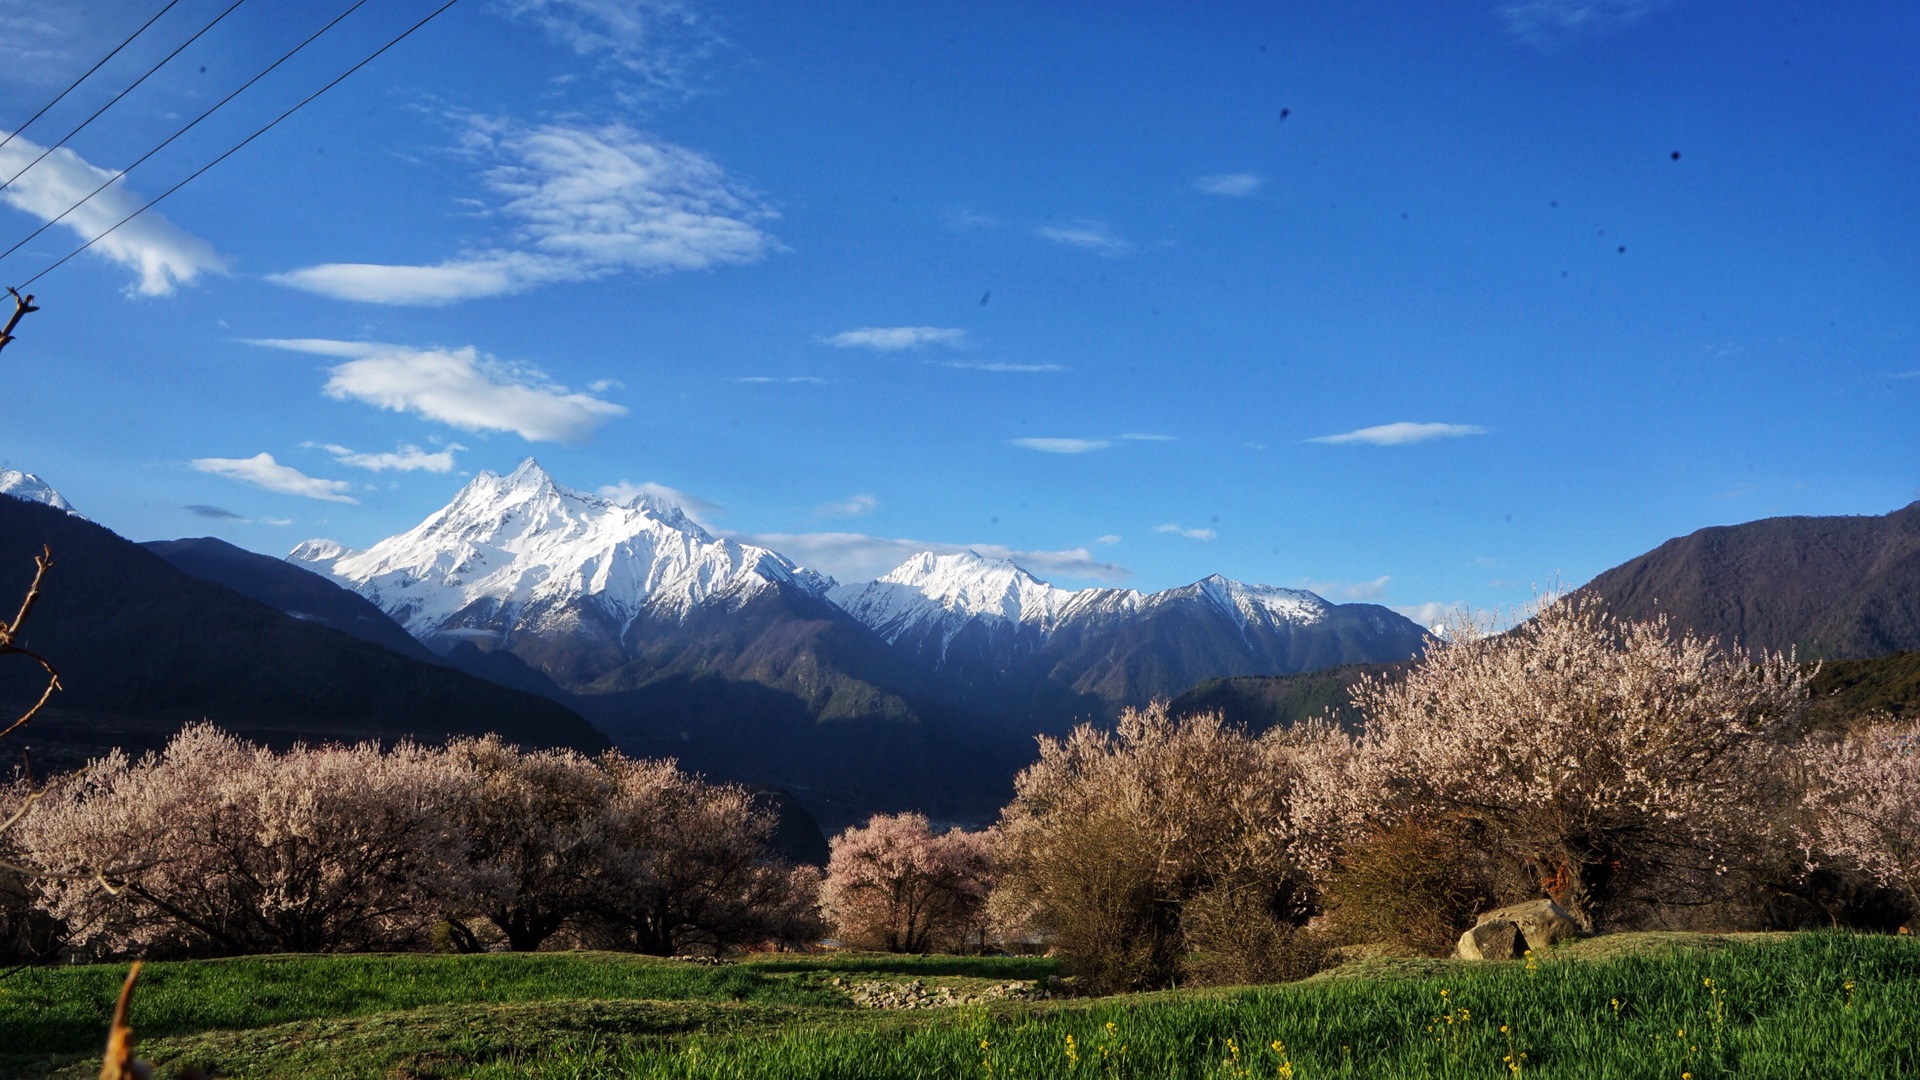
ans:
(514, 553)
(25, 485)
(969, 583)
(1261, 603)
(319, 554)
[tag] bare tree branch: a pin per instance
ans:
(10, 636)
(22, 306)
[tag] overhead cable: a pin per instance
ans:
(408, 32)
(109, 182)
(75, 83)
(121, 94)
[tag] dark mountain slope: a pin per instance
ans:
(312, 598)
(1849, 692)
(296, 591)
(787, 690)
(143, 648)
(1832, 587)
(1259, 702)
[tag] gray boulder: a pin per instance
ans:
(1490, 939)
(1541, 922)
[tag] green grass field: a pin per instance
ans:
(1673, 1006)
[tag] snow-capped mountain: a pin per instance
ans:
(520, 555)
(936, 598)
(1016, 645)
(25, 485)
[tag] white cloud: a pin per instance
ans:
(1107, 540)
(1544, 23)
(1091, 236)
(695, 507)
(1401, 433)
(601, 386)
(1191, 534)
(406, 459)
(1433, 615)
(1350, 590)
(851, 506)
(162, 254)
(1061, 446)
(756, 380)
(1914, 374)
(859, 557)
(1134, 436)
(262, 471)
(1232, 185)
(895, 338)
(656, 40)
(461, 387)
(587, 202)
(1017, 369)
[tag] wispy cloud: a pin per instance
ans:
(1232, 185)
(1349, 590)
(161, 254)
(262, 471)
(1061, 446)
(1401, 433)
(763, 380)
(1914, 374)
(461, 387)
(896, 338)
(1108, 540)
(1091, 236)
(585, 202)
(1545, 23)
(405, 459)
(1135, 436)
(858, 557)
(1017, 369)
(695, 507)
(1179, 530)
(656, 41)
(851, 506)
(221, 513)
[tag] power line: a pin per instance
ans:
(109, 182)
(408, 32)
(121, 94)
(70, 88)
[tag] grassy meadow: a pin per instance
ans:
(1686, 1007)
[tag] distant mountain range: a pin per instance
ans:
(1829, 587)
(923, 688)
(747, 664)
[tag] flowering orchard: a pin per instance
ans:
(221, 847)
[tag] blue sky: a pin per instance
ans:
(1412, 304)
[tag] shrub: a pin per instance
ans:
(1862, 805)
(1111, 836)
(1414, 884)
(897, 886)
(1620, 767)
